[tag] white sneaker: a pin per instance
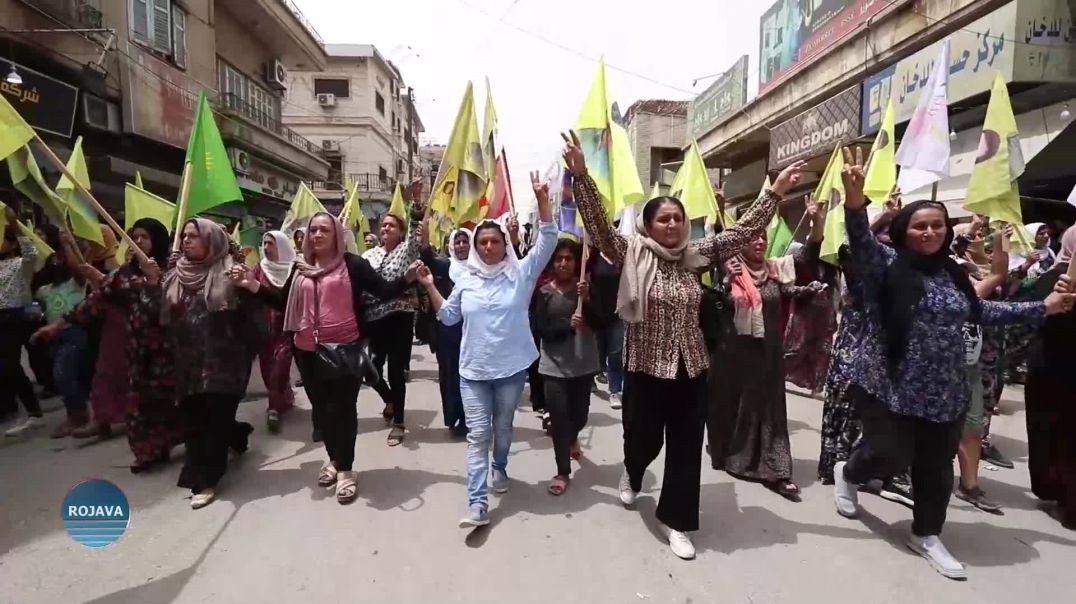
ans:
(627, 494)
(200, 500)
(615, 401)
(934, 551)
(680, 543)
(845, 494)
(29, 424)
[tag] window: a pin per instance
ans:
(339, 87)
(382, 174)
(379, 102)
(242, 94)
(162, 26)
(399, 166)
(179, 36)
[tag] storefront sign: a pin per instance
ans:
(159, 101)
(719, 101)
(816, 130)
(795, 32)
(263, 178)
(1044, 49)
(44, 102)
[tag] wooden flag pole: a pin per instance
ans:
(89, 197)
(579, 302)
(181, 210)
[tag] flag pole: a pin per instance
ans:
(89, 197)
(582, 279)
(508, 177)
(181, 207)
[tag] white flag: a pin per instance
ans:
(1072, 197)
(923, 155)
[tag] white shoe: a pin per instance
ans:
(29, 424)
(845, 494)
(615, 401)
(934, 551)
(627, 494)
(200, 500)
(680, 543)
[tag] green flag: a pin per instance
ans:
(83, 217)
(778, 236)
(212, 179)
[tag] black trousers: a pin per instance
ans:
(892, 442)
(670, 412)
(209, 430)
(535, 380)
(334, 409)
(16, 330)
(390, 343)
(568, 403)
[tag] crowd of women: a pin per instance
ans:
(911, 340)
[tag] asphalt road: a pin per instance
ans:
(274, 536)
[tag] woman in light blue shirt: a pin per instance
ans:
(492, 298)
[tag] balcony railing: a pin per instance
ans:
(366, 183)
(299, 16)
(234, 103)
(80, 13)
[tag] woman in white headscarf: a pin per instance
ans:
(1040, 259)
(278, 259)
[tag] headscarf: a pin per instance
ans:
(905, 281)
(1068, 246)
(1048, 256)
(748, 318)
(508, 267)
(97, 254)
(208, 275)
(641, 267)
(160, 244)
(458, 267)
(305, 268)
(277, 271)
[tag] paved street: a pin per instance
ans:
(274, 536)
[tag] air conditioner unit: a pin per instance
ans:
(327, 99)
(276, 75)
(330, 145)
(240, 160)
(101, 114)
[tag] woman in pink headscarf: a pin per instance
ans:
(323, 309)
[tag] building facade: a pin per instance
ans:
(126, 74)
(361, 113)
(656, 131)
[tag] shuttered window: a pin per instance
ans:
(140, 20)
(162, 26)
(179, 36)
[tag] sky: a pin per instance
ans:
(540, 57)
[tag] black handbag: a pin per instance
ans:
(716, 314)
(351, 359)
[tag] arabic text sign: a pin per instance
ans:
(1044, 50)
(45, 103)
(724, 96)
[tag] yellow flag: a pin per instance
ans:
(83, 217)
(43, 249)
(461, 179)
(830, 191)
(28, 180)
(489, 134)
(992, 189)
(692, 186)
(353, 219)
(881, 174)
(303, 207)
(397, 208)
(139, 203)
(14, 131)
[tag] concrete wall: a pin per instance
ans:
(236, 45)
(647, 131)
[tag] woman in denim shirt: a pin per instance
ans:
(909, 379)
(492, 299)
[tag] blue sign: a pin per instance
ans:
(95, 513)
(875, 95)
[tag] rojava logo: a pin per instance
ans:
(96, 513)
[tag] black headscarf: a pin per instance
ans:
(160, 244)
(905, 281)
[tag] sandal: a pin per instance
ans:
(396, 435)
(559, 485)
(328, 475)
(347, 488)
(787, 489)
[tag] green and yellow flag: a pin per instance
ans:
(606, 149)
(992, 189)
(830, 191)
(139, 203)
(692, 186)
(14, 131)
(881, 174)
(212, 180)
(81, 214)
(461, 180)
(778, 235)
(303, 207)
(28, 180)
(353, 219)
(250, 241)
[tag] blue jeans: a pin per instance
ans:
(69, 369)
(490, 407)
(611, 353)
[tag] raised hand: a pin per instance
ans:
(1063, 285)
(788, 178)
(243, 277)
(424, 276)
(853, 176)
(412, 272)
(573, 154)
(583, 290)
(422, 234)
(894, 202)
(1057, 303)
(151, 271)
(733, 267)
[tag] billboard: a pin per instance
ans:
(795, 32)
(727, 94)
(817, 130)
(44, 102)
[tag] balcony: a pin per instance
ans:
(80, 14)
(282, 28)
(366, 183)
(261, 132)
(232, 103)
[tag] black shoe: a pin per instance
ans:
(976, 497)
(991, 455)
(458, 431)
(316, 435)
(602, 378)
(242, 438)
(898, 490)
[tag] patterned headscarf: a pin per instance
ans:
(208, 275)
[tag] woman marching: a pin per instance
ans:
(492, 300)
(569, 356)
(665, 357)
(910, 383)
(322, 302)
(274, 358)
(391, 323)
(211, 324)
(18, 257)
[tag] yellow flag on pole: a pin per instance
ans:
(28, 180)
(692, 186)
(881, 174)
(461, 179)
(43, 249)
(83, 217)
(303, 207)
(830, 191)
(397, 208)
(14, 131)
(139, 203)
